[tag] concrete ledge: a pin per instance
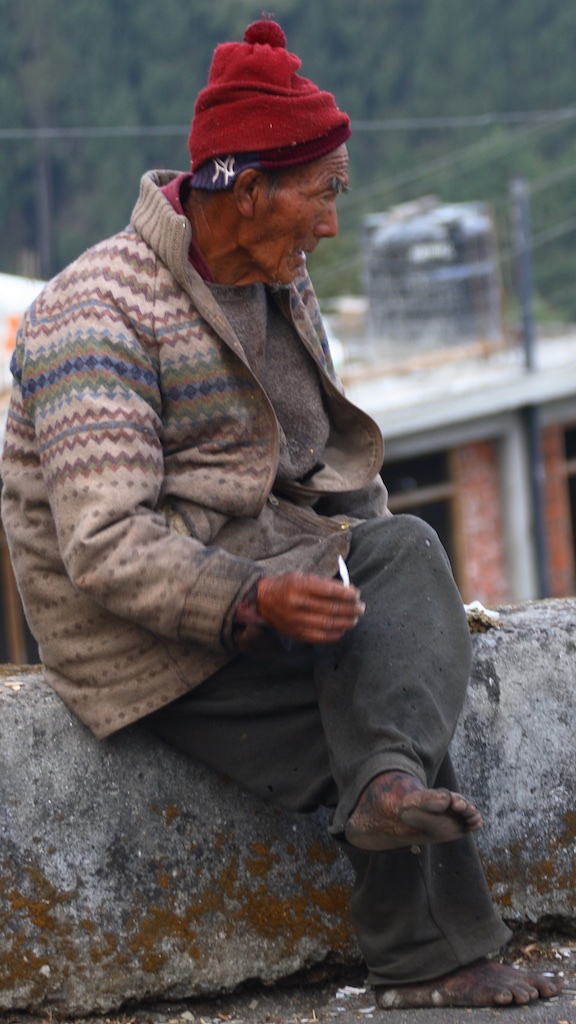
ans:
(128, 873)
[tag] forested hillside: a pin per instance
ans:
(452, 97)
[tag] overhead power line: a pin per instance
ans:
(447, 166)
(377, 125)
(120, 132)
(465, 120)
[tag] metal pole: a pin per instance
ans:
(530, 414)
(43, 212)
(521, 222)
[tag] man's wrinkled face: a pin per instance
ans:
(296, 212)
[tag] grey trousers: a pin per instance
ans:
(312, 725)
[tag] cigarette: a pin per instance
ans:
(343, 570)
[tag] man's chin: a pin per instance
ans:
(293, 269)
(286, 280)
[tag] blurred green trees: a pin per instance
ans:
(416, 76)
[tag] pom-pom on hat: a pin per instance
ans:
(256, 102)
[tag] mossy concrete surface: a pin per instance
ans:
(128, 873)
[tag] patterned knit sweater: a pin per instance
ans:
(134, 409)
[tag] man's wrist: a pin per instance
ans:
(247, 613)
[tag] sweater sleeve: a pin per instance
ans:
(91, 392)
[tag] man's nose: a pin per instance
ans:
(327, 226)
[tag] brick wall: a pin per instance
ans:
(479, 524)
(557, 513)
(481, 544)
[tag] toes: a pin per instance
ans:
(513, 985)
(473, 821)
(433, 801)
(463, 806)
(467, 811)
(504, 998)
(483, 983)
(519, 994)
(435, 828)
(549, 986)
(553, 990)
(382, 821)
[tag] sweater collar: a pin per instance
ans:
(176, 192)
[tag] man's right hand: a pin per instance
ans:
(308, 608)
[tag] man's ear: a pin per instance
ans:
(248, 188)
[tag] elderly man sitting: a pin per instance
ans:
(183, 475)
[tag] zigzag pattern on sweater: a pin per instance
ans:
(75, 374)
(53, 447)
(83, 421)
(114, 399)
(106, 461)
(123, 254)
(91, 319)
(19, 444)
(58, 378)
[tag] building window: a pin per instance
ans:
(457, 491)
(424, 487)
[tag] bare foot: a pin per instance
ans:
(396, 810)
(483, 983)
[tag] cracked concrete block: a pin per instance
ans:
(515, 750)
(129, 873)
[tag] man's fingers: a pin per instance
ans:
(328, 608)
(308, 608)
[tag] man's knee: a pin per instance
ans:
(392, 535)
(413, 528)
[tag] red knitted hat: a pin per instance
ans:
(256, 102)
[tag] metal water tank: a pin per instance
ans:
(431, 275)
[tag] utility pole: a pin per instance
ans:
(519, 192)
(43, 212)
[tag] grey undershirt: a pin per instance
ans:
(286, 371)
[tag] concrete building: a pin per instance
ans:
(485, 450)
